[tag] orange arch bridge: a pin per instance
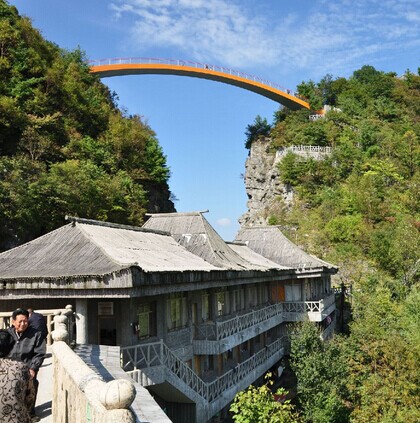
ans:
(142, 66)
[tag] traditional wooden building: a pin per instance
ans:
(197, 319)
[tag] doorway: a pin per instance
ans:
(107, 326)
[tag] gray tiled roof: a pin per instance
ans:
(269, 242)
(253, 257)
(194, 232)
(79, 249)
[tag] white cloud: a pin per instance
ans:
(322, 36)
(224, 221)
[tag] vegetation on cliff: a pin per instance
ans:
(65, 147)
(358, 208)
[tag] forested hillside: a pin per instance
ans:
(65, 147)
(358, 208)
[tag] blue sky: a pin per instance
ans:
(200, 124)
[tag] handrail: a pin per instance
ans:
(307, 149)
(5, 317)
(198, 65)
(158, 353)
(309, 306)
(219, 330)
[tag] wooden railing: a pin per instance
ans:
(222, 329)
(158, 354)
(308, 306)
(5, 320)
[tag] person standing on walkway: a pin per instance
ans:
(15, 385)
(29, 347)
(37, 321)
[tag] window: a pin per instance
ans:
(222, 299)
(106, 308)
(176, 311)
(262, 294)
(253, 296)
(238, 300)
(293, 293)
(146, 318)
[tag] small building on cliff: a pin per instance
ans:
(197, 319)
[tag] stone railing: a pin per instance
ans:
(316, 116)
(79, 394)
(222, 329)
(309, 150)
(49, 314)
(158, 354)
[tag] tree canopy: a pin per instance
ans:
(358, 207)
(65, 147)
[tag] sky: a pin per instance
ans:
(201, 124)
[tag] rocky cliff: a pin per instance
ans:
(266, 193)
(262, 184)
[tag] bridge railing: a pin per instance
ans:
(198, 65)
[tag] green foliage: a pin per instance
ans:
(260, 128)
(321, 373)
(64, 146)
(359, 208)
(259, 405)
(383, 353)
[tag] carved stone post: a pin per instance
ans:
(60, 328)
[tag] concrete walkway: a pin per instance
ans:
(44, 398)
(105, 361)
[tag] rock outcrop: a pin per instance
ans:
(262, 184)
(267, 195)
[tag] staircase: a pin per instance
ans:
(155, 363)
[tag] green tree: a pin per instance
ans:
(260, 128)
(383, 356)
(321, 372)
(259, 405)
(64, 145)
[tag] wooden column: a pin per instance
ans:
(220, 364)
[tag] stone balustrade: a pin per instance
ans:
(49, 314)
(79, 393)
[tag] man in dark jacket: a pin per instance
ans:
(37, 321)
(29, 347)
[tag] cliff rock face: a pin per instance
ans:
(262, 184)
(266, 193)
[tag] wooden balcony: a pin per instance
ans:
(222, 335)
(315, 311)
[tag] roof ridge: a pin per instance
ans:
(74, 219)
(192, 213)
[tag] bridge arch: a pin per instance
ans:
(141, 66)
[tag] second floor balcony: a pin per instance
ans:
(315, 311)
(216, 337)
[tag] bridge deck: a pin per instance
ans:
(120, 67)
